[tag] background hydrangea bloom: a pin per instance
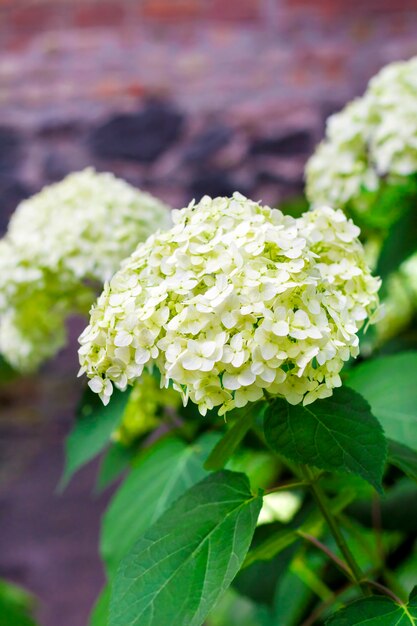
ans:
(372, 139)
(235, 299)
(61, 245)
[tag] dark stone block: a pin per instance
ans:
(58, 128)
(294, 143)
(215, 183)
(10, 148)
(265, 177)
(141, 136)
(206, 144)
(55, 167)
(12, 191)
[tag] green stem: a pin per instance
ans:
(322, 502)
(285, 486)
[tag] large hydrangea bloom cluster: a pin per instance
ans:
(236, 299)
(60, 245)
(373, 138)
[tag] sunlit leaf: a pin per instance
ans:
(183, 564)
(165, 473)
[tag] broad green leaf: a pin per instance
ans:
(313, 525)
(337, 434)
(403, 457)
(376, 611)
(225, 448)
(114, 462)
(183, 564)
(92, 430)
(389, 385)
(100, 613)
(165, 473)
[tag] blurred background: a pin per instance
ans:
(181, 98)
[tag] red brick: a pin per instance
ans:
(33, 17)
(173, 9)
(340, 8)
(94, 14)
(234, 10)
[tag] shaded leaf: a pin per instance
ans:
(403, 457)
(376, 611)
(389, 385)
(100, 613)
(260, 466)
(313, 525)
(92, 430)
(165, 473)
(183, 564)
(401, 241)
(16, 606)
(287, 611)
(236, 610)
(114, 462)
(225, 448)
(338, 434)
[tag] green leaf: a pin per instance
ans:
(381, 208)
(287, 611)
(165, 473)
(7, 373)
(376, 611)
(260, 466)
(228, 444)
(114, 462)
(100, 613)
(16, 606)
(389, 385)
(184, 563)
(236, 610)
(259, 581)
(337, 434)
(92, 430)
(401, 241)
(403, 457)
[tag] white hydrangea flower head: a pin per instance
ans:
(61, 246)
(236, 299)
(371, 139)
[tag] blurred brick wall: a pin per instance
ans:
(181, 97)
(252, 80)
